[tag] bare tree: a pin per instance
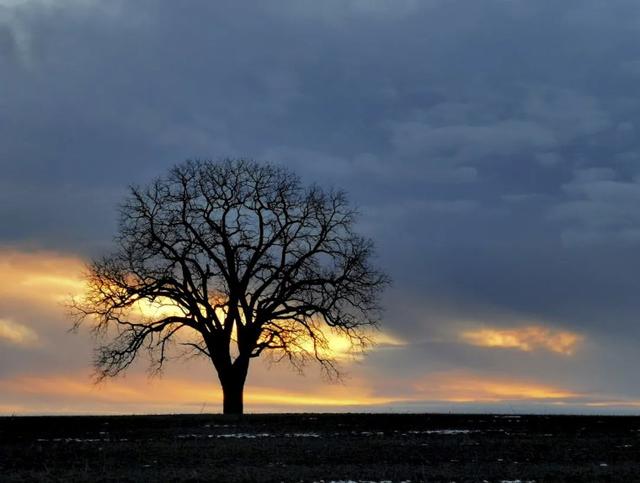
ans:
(239, 260)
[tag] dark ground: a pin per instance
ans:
(329, 447)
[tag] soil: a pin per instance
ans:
(321, 447)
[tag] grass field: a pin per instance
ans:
(321, 447)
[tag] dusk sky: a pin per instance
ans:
(492, 147)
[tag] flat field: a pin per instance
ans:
(321, 447)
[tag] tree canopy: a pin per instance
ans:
(231, 260)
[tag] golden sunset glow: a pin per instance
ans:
(619, 403)
(459, 386)
(39, 282)
(158, 309)
(526, 339)
(17, 334)
(137, 393)
(139, 390)
(50, 279)
(43, 278)
(340, 346)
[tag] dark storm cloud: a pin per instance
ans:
(492, 145)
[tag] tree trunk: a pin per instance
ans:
(232, 381)
(232, 391)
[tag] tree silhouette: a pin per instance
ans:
(237, 259)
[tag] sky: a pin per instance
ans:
(491, 146)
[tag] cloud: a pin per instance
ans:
(600, 208)
(462, 144)
(39, 277)
(14, 22)
(18, 334)
(567, 113)
(526, 339)
(490, 145)
(337, 11)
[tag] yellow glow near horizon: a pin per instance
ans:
(613, 403)
(141, 391)
(142, 394)
(507, 390)
(461, 386)
(526, 339)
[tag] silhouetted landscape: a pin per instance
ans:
(321, 447)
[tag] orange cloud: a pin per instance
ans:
(526, 339)
(17, 334)
(43, 278)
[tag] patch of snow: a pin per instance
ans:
(443, 431)
(359, 481)
(74, 440)
(246, 435)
